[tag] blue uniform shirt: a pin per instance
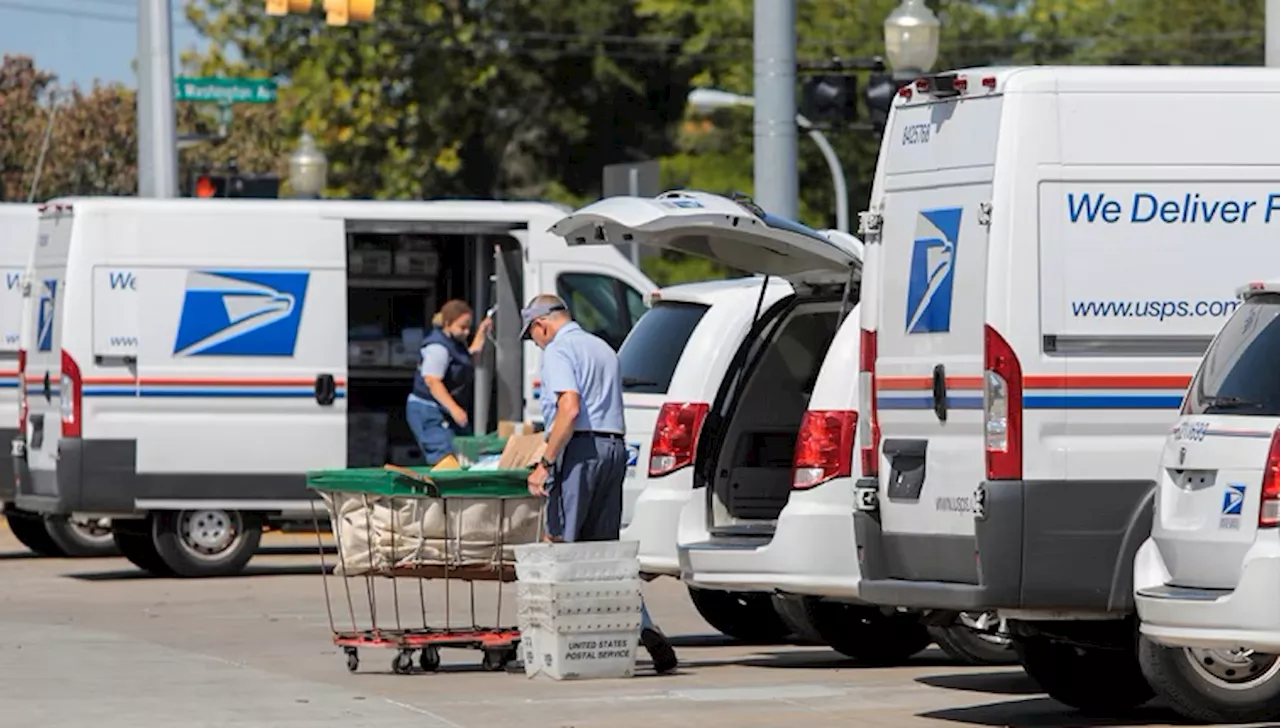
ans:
(578, 361)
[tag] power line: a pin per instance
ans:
(64, 12)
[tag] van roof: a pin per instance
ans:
(1131, 79)
(712, 292)
(408, 210)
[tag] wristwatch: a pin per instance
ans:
(544, 462)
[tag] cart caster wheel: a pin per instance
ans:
(403, 663)
(495, 660)
(429, 660)
(353, 659)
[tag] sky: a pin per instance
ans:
(83, 40)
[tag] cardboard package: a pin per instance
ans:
(522, 451)
(508, 428)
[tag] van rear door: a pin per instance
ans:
(931, 282)
(43, 374)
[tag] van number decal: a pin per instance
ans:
(241, 313)
(1191, 431)
(933, 260)
(915, 134)
(45, 314)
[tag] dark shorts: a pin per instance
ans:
(585, 498)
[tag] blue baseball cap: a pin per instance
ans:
(537, 310)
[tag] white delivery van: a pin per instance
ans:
(746, 369)
(1207, 579)
(1051, 250)
(673, 364)
(190, 360)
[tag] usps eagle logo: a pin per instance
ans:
(241, 313)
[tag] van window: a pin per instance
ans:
(600, 304)
(1238, 375)
(650, 355)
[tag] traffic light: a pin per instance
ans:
(254, 186)
(830, 99)
(881, 88)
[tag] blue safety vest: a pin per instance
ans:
(459, 377)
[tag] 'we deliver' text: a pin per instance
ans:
(1172, 210)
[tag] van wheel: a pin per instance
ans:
(1089, 679)
(81, 538)
(867, 634)
(745, 616)
(140, 549)
(200, 543)
(30, 531)
(1214, 686)
(972, 641)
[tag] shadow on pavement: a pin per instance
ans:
(18, 555)
(1049, 713)
(131, 574)
(1009, 682)
(702, 640)
(828, 659)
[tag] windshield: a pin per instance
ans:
(1239, 374)
(651, 352)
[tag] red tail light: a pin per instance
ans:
(675, 437)
(1002, 408)
(869, 435)
(70, 393)
(1269, 508)
(22, 392)
(824, 447)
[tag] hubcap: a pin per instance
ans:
(1233, 669)
(92, 529)
(208, 533)
(987, 626)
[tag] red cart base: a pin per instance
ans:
(500, 647)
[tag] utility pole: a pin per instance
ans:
(1272, 42)
(777, 177)
(157, 135)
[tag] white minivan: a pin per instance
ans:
(673, 363)
(185, 390)
(1208, 578)
(735, 333)
(1050, 251)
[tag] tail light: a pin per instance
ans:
(1269, 508)
(69, 394)
(869, 435)
(1002, 408)
(22, 392)
(675, 437)
(824, 447)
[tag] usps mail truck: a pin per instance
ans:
(1050, 251)
(190, 360)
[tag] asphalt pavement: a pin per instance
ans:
(98, 643)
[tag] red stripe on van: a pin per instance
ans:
(1107, 381)
(220, 382)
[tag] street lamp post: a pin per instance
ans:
(911, 37)
(707, 100)
(308, 169)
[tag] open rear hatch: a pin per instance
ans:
(738, 234)
(1220, 470)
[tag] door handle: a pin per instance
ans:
(326, 389)
(940, 392)
(48, 390)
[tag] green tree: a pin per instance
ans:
(492, 98)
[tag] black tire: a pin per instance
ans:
(79, 541)
(866, 633)
(1213, 686)
(30, 531)
(746, 616)
(1097, 681)
(971, 647)
(205, 543)
(140, 550)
